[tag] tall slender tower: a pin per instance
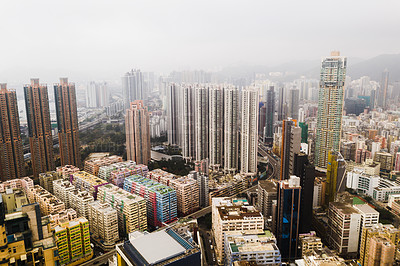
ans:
(383, 90)
(201, 125)
(11, 153)
(287, 217)
(188, 123)
(231, 130)
(281, 104)
(137, 127)
(174, 122)
(39, 126)
(291, 141)
(132, 87)
(67, 122)
(249, 132)
(330, 106)
(270, 113)
(294, 103)
(216, 127)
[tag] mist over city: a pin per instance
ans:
(175, 132)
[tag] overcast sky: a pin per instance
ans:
(95, 39)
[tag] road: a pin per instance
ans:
(102, 259)
(274, 163)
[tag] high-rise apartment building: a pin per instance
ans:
(335, 176)
(231, 132)
(73, 240)
(67, 122)
(270, 113)
(103, 222)
(233, 215)
(174, 126)
(286, 220)
(344, 224)
(161, 200)
(249, 132)
(92, 166)
(46, 180)
(131, 209)
(388, 231)
(330, 107)
(281, 104)
(382, 252)
(291, 141)
(294, 103)
(97, 95)
(11, 153)
(188, 135)
(201, 124)
(216, 125)
(39, 127)
(187, 190)
(306, 172)
(383, 91)
(137, 129)
(266, 193)
(132, 87)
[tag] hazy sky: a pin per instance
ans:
(95, 39)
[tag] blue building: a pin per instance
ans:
(287, 217)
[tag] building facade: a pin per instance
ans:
(137, 129)
(39, 127)
(330, 107)
(249, 132)
(67, 123)
(11, 153)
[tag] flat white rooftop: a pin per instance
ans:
(157, 247)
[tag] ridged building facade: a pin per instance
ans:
(330, 107)
(11, 153)
(137, 128)
(39, 127)
(67, 122)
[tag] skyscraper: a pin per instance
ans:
(11, 154)
(231, 133)
(270, 113)
(383, 92)
(97, 95)
(249, 132)
(201, 124)
(216, 127)
(335, 175)
(137, 129)
(67, 122)
(291, 139)
(286, 219)
(306, 172)
(330, 106)
(188, 122)
(39, 126)
(173, 114)
(294, 103)
(281, 104)
(132, 87)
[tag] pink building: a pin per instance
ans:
(137, 130)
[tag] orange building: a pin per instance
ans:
(39, 125)
(137, 130)
(67, 122)
(11, 153)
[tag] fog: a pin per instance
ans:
(94, 39)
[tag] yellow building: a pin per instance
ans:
(387, 231)
(73, 240)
